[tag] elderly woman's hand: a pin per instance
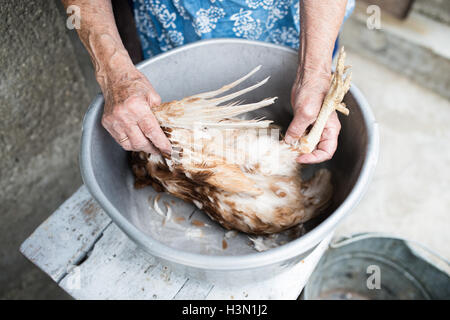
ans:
(308, 92)
(128, 113)
(320, 23)
(129, 96)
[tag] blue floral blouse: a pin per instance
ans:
(166, 24)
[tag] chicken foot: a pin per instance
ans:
(333, 101)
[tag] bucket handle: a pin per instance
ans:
(345, 240)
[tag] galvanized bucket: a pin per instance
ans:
(377, 266)
(205, 66)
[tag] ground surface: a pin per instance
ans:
(409, 195)
(43, 96)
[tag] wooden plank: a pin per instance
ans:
(67, 235)
(285, 286)
(118, 269)
(194, 290)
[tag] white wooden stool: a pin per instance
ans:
(89, 257)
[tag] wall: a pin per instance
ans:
(46, 84)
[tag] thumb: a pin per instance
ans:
(297, 128)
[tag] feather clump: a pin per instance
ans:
(238, 171)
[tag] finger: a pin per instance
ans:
(325, 151)
(317, 156)
(124, 142)
(151, 129)
(304, 116)
(296, 128)
(154, 99)
(138, 141)
(327, 145)
(119, 134)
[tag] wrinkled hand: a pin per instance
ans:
(128, 115)
(307, 95)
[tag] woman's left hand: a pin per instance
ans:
(307, 95)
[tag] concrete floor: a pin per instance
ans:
(410, 193)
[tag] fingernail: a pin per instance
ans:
(289, 140)
(167, 149)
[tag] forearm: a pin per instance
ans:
(320, 23)
(129, 96)
(100, 36)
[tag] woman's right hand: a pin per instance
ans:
(129, 96)
(128, 115)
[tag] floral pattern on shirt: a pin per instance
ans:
(245, 25)
(206, 19)
(165, 24)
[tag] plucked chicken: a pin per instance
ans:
(238, 171)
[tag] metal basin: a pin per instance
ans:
(196, 250)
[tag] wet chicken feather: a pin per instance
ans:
(237, 171)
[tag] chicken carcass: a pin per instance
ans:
(238, 171)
